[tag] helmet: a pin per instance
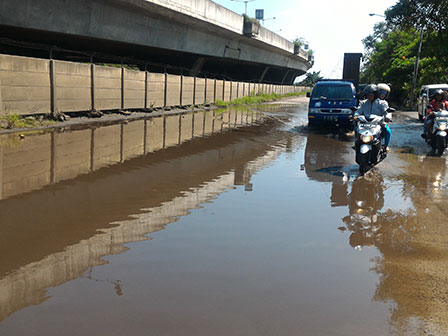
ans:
(439, 92)
(383, 90)
(369, 89)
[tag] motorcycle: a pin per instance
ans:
(369, 145)
(437, 137)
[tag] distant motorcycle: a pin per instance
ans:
(369, 144)
(437, 137)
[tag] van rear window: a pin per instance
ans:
(333, 92)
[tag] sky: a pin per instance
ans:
(332, 27)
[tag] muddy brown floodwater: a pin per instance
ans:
(237, 222)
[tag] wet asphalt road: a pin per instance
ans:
(263, 229)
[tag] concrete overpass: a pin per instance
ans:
(191, 37)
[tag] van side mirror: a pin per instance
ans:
(308, 94)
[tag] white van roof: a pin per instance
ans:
(433, 86)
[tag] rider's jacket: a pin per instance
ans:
(377, 107)
(438, 105)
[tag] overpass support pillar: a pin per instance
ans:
(265, 71)
(197, 66)
(285, 75)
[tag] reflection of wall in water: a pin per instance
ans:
(41, 159)
(210, 173)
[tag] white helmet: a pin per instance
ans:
(383, 90)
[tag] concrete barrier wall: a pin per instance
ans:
(133, 134)
(71, 154)
(226, 97)
(172, 90)
(186, 130)
(107, 90)
(154, 134)
(26, 164)
(219, 89)
(72, 86)
(187, 90)
(24, 85)
(210, 93)
(106, 149)
(172, 129)
(199, 96)
(243, 89)
(234, 90)
(35, 86)
(156, 90)
(198, 124)
(134, 89)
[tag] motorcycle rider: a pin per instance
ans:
(439, 103)
(376, 106)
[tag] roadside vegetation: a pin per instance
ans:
(15, 120)
(256, 99)
(391, 51)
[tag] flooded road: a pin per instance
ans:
(221, 223)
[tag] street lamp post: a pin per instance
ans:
(373, 14)
(245, 4)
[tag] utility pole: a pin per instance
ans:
(414, 79)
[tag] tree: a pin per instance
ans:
(431, 14)
(311, 79)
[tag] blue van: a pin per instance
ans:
(330, 104)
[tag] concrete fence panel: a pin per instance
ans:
(24, 85)
(234, 90)
(219, 89)
(208, 124)
(154, 134)
(72, 86)
(186, 130)
(134, 89)
(172, 90)
(71, 154)
(107, 88)
(133, 139)
(199, 96)
(172, 129)
(243, 89)
(227, 85)
(210, 94)
(187, 90)
(107, 146)
(26, 166)
(198, 124)
(218, 121)
(156, 90)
